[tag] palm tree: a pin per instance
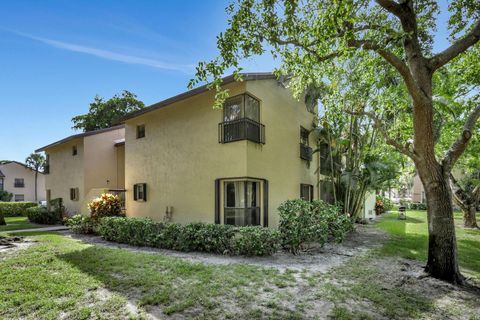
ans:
(36, 162)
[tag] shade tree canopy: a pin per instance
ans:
(391, 43)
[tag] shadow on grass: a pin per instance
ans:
(170, 285)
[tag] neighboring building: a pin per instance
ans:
(186, 161)
(418, 191)
(82, 166)
(18, 179)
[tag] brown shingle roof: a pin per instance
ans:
(80, 135)
(193, 92)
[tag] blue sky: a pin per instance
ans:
(55, 56)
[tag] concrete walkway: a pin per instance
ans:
(53, 228)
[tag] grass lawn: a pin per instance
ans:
(18, 223)
(411, 240)
(59, 277)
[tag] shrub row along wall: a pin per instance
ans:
(302, 223)
(43, 216)
(15, 209)
(223, 239)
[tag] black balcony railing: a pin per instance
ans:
(241, 129)
(305, 152)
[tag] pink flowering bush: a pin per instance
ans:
(106, 205)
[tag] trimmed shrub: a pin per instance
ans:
(5, 195)
(202, 237)
(81, 224)
(303, 223)
(107, 205)
(15, 209)
(42, 216)
(256, 241)
(418, 206)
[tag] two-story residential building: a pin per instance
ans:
(82, 166)
(181, 160)
(18, 179)
(186, 161)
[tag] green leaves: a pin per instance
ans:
(103, 114)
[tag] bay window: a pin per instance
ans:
(242, 203)
(241, 120)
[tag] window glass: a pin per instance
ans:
(140, 191)
(1, 184)
(252, 108)
(252, 194)
(306, 192)
(242, 206)
(140, 131)
(235, 194)
(19, 197)
(304, 136)
(74, 150)
(19, 183)
(233, 109)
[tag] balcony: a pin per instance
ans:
(241, 129)
(305, 152)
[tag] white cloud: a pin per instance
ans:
(109, 55)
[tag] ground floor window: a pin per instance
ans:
(242, 203)
(306, 192)
(74, 194)
(19, 197)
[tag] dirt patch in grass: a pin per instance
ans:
(364, 238)
(395, 288)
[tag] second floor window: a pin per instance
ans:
(140, 131)
(74, 150)
(241, 120)
(305, 150)
(19, 183)
(239, 107)
(1, 184)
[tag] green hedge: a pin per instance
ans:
(224, 239)
(42, 215)
(81, 224)
(15, 209)
(305, 222)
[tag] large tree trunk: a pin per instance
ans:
(467, 201)
(442, 260)
(469, 217)
(2, 220)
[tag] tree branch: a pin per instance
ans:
(461, 143)
(389, 140)
(395, 61)
(457, 48)
(391, 6)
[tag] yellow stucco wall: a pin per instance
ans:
(94, 169)
(180, 157)
(66, 171)
(14, 170)
(100, 162)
